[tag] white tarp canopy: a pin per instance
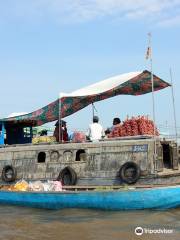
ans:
(103, 85)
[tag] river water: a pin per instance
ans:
(20, 223)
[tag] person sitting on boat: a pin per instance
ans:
(116, 128)
(116, 121)
(95, 131)
(107, 131)
(43, 132)
(63, 134)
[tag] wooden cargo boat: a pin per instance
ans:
(136, 160)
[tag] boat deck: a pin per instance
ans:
(102, 188)
(169, 172)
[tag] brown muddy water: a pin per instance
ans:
(20, 223)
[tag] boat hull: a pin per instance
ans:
(124, 199)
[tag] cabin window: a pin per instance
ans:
(41, 157)
(81, 155)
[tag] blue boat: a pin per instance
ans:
(121, 199)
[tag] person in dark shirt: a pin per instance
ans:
(43, 132)
(116, 121)
(116, 128)
(62, 133)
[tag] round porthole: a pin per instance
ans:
(54, 156)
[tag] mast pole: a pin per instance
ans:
(152, 81)
(173, 101)
(153, 99)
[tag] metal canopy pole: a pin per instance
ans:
(173, 101)
(60, 122)
(94, 109)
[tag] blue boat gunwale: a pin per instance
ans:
(124, 199)
(121, 189)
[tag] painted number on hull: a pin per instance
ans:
(140, 148)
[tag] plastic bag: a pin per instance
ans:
(43, 139)
(36, 186)
(57, 186)
(21, 185)
(53, 186)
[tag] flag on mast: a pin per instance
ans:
(148, 52)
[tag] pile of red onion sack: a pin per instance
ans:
(134, 126)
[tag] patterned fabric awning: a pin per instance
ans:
(134, 83)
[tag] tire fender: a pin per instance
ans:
(9, 173)
(130, 172)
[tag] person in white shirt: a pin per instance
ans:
(95, 131)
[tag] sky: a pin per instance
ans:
(51, 46)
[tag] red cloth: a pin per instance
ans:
(63, 134)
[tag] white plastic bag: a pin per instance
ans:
(36, 186)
